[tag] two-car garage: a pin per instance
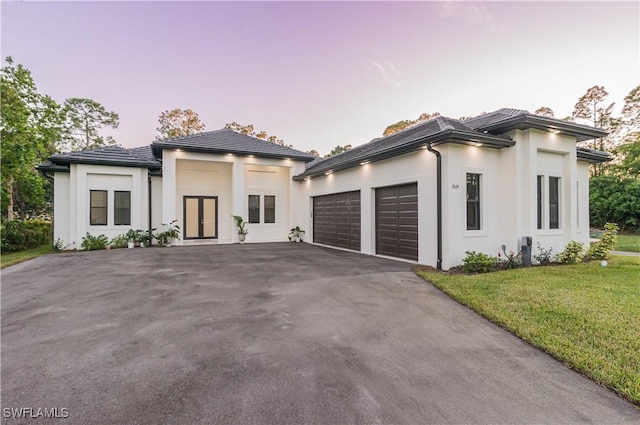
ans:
(337, 220)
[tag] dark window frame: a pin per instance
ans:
(253, 212)
(116, 221)
(271, 218)
(104, 209)
(473, 207)
(540, 200)
(554, 203)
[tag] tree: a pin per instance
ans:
(545, 111)
(85, 119)
(628, 158)
(313, 152)
(249, 130)
(403, 124)
(337, 151)
(631, 112)
(615, 200)
(178, 122)
(31, 126)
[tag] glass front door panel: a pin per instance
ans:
(192, 219)
(209, 217)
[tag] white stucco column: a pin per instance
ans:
(169, 200)
(238, 195)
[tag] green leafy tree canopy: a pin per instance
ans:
(178, 122)
(85, 119)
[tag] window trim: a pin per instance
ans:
(265, 209)
(249, 210)
(105, 208)
(540, 201)
(557, 203)
(477, 201)
(115, 208)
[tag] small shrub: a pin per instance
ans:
(477, 262)
(18, 235)
(544, 256)
(600, 250)
(573, 253)
(512, 260)
(119, 241)
(92, 243)
(58, 245)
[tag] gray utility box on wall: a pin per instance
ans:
(525, 246)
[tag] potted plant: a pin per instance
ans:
(146, 237)
(132, 237)
(240, 224)
(295, 234)
(171, 232)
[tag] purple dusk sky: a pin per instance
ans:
(322, 74)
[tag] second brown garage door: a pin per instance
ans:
(336, 220)
(397, 221)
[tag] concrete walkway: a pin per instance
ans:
(269, 334)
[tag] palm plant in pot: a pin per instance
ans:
(171, 232)
(240, 224)
(295, 234)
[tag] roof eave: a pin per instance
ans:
(443, 137)
(159, 147)
(67, 161)
(593, 156)
(526, 121)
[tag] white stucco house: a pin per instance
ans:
(427, 194)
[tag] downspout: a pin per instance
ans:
(149, 190)
(438, 201)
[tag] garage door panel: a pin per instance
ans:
(336, 220)
(397, 221)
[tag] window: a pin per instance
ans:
(269, 209)
(540, 200)
(554, 202)
(98, 208)
(254, 208)
(122, 208)
(473, 201)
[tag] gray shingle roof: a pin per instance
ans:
(506, 119)
(108, 155)
(229, 141)
(438, 129)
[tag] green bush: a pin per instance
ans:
(615, 199)
(477, 262)
(544, 256)
(92, 243)
(573, 253)
(600, 250)
(18, 235)
(119, 241)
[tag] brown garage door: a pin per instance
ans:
(397, 221)
(336, 220)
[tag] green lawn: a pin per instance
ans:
(585, 315)
(20, 256)
(629, 243)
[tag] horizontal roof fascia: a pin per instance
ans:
(443, 137)
(133, 164)
(527, 121)
(593, 156)
(158, 147)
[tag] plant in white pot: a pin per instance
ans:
(240, 224)
(295, 234)
(171, 232)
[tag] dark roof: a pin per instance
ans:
(593, 156)
(144, 152)
(49, 166)
(108, 155)
(436, 131)
(507, 119)
(228, 141)
(316, 161)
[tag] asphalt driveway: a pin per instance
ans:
(268, 334)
